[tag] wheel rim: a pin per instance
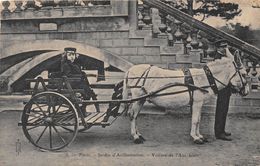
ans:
(50, 121)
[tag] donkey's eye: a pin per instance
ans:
(244, 74)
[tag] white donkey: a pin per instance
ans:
(143, 79)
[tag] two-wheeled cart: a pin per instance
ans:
(56, 112)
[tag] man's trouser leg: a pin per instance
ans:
(221, 110)
(226, 107)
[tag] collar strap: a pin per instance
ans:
(143, 76)
(211, 79)
(187, 77)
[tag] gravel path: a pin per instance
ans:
(168, 143)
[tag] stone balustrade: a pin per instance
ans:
(44, 9)
(196, 44)
(20, 5)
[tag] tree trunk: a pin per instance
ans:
(190, 7)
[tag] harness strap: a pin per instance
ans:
(188, 80)
(211, 79)
(143, 76)
(187, 77)
(146, 75)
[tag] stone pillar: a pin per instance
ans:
(188, 41)
(134, 15)
(156, 20)
(147, 19)
(211, 50)
(48, 3)
(30, 5)
(6, 5)
(195, 52)
(178, 44)
(163, 26)
(169, 33)
(18, 4)
(254, 78)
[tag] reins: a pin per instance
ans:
(214, 86)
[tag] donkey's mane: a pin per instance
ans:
(219, 62)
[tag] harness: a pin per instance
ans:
(143, 76)
(188, 80)
(211, 79)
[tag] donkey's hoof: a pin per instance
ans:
(138, 141)
(204, 139)
(142, 138)
(198, 141)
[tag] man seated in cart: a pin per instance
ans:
(70, 67)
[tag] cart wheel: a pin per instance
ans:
(50, 121)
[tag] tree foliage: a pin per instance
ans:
(208, 8)
(242, 32)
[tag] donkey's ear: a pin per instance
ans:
(228, 54)
(237, 59)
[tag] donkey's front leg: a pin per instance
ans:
(195, 122)
(198, 131)
(133, 113)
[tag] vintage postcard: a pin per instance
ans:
(129, 82)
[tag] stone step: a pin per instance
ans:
(168, 51)
(140, 34)
(185, 58)
(149, 41)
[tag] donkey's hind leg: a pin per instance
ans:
(133, 113)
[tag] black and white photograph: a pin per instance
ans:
(130, 82)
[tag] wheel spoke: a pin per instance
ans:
(66, 128)
(68, 117)
(39, 107)
(50, 137)
(36, 112)
(64, 111)
(65, 106)
(34, 117)
(38, 125)
(41, 135)
(48, 99)
(48, 109)
(64, 117)
(38, 121)
(53, 109)
(55, 112)
(59, 134)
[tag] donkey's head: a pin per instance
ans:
(237, 80)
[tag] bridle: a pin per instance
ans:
(238, 68)
(233, 88)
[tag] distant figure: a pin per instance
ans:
(223, 99)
